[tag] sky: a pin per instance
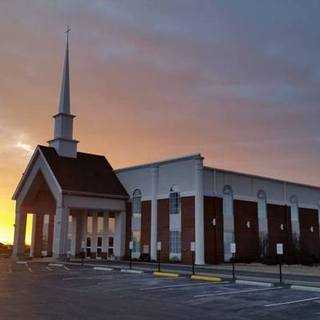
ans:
(237, 81)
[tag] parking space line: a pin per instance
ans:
(66, 268)
(176, 286)
(49, 269)
(291, 302)
(235, 292)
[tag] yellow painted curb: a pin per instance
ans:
(166, 274)
(205, 278)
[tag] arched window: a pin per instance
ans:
(136, 223)
(175, 224)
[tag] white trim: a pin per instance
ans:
(160, 163)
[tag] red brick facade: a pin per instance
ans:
(187, 227)
(163, 228)
(309, 233)
(145, 224)
(277, 216)
(246, 230)
(213, 235)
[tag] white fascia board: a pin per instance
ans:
(38, 164)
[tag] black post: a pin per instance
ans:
(193, 266)
(280, 269)
(130, 259)
(159, 263)
(233, 269)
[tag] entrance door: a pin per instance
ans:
(110, 248)
(88, 247)
(99, 247)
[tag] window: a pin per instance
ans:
(136, 236)
(136, 223)
(174, 203)
(89, 224)
(175, 242)
(111, 225)
(99, 242)
(136, 201)
(100, 225)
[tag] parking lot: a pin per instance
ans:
(42, 291)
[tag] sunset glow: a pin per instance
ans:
(157, 79)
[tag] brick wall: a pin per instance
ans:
(213, 235)
(163, 227)
(145, 224)
(278, 215)
(187, 227)
(309, 241)
(246, 236)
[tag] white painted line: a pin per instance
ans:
(102, 269)
(131, 271)
(235, 292)
(306, 288)
(49, 269)
(291, 302)
(66, 268)
(254, 283)
(21, 262)
(55, 265)
(176, 286)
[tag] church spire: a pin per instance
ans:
(63, 140)
(64, 106)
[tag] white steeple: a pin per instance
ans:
(63, 140)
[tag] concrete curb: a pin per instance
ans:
(305, 288)
(205, 278)
(102, 269)
(131, 271)
(166, 274)
(255, 283)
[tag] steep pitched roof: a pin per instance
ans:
(88, 173)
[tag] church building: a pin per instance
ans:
(82, 206)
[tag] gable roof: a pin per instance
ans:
(86, 174)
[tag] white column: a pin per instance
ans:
(105, 232)
(120, 234)
(60, 235)
(295, 224)
(19, 232)
(33, 235)
(73, 229)
(154, 213)
(84, 231)
(262, 222)
(199, 224)
(228, 222)
(94, 233)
